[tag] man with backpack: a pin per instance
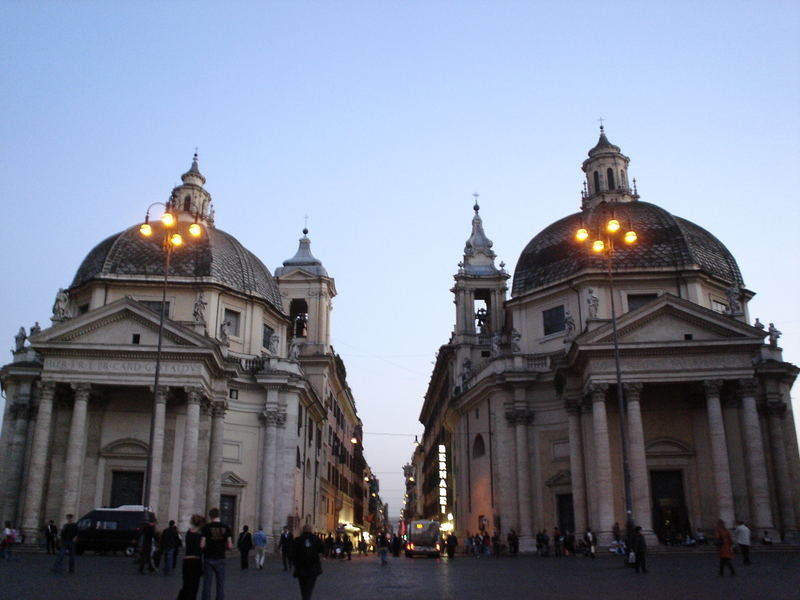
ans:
(307, 567)
(244, 544)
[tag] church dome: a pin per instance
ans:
(665, 242)
(216, 256)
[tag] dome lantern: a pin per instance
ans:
(606, 175)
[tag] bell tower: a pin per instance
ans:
(190, 201)
(480, 292)
(307, 292)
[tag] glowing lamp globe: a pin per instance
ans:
(598, 246)
(168, 219)
(145, 229)
(581, 234)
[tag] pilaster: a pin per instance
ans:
(719, 452)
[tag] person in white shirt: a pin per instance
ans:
(741, 536)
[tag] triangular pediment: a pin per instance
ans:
(671, 319)
(123, 323)
(231, 479)
(563, 477)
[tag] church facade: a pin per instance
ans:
(251, 412)
(649, 335)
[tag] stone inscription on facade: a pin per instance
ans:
(84, 365)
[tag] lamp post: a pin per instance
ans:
(172, 239)
(605, 237)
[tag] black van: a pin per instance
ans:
(112, 529)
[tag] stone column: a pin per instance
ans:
(40, 456)
(189, 459)
(757, 481)
(719, 453)
(268, 464)
(637, 459)
(576, 468)
(781, 466)
(605, 499)
(521, 417)
(214, 482)
(157, 451)
(76, 448)
(21, 415)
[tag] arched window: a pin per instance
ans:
(308, 468)
(187, 204)
(478, 447)
(610, 177)
(299, 460)
(622, 179)
(596, 182)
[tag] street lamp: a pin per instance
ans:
(171, 239)
(605, 236)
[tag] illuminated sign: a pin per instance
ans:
(443, 477)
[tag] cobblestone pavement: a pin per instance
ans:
(773, 576)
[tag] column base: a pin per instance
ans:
(527, 544)
(31, 538)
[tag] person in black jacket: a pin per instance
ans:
(169, 544)
(285, 544)
(307, 567)
(244, 544)
(639, 547)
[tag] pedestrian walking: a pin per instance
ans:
(69, 535)
(51, 536)
(192, 561)
(589, 540)
(513, 542)
(639, 549)
(451, 544)
(741, 535)
(305, 552)
(244, 544)
(725, 544)
(169, 544)
(557, 542)
(260, 544)
(7, 540)
(285, 544)
(147, 539)
(383, 549)
(215, 538)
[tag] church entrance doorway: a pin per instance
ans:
(126, 488)
(566, 514)
(670, 514)
(227, 510)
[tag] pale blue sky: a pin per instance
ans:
(379, 120)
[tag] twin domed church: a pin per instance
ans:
(216, 386)
(622, 378)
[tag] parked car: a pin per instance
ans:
(112, 529)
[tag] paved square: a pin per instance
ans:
(773, 576)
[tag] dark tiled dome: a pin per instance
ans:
(216, 255)
(664, 242)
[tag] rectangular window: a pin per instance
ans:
(268, 331)
(638, 300)
(719, 307)
(553, 319)
(135, 338)
(233, 318)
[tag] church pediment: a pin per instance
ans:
(563, 477)
(673, 319)
(231, 479)
(124, 323)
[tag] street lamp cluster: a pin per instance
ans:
(172, 239)
(603, 243)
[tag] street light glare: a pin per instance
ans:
(168, 219)
(630, 237)
(145, 229)
(613, 226)
(598, 246)
(581, 234)
(176, 239)
(195, 229)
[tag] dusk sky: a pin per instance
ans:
(379, 120)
